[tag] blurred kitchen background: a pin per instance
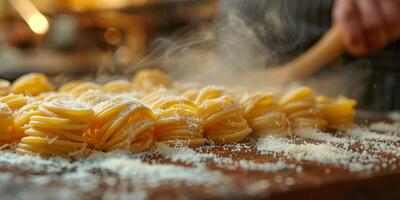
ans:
(69, 39)
(80, 36)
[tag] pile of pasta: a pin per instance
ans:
(80, 117)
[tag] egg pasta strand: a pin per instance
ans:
(58, 129)
(31, 84)
(177, 119)
(300, 106)
(122, 123)
(264, 115)
(339, 113)
(6, 124)
(224, 120)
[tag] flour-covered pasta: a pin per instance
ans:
(177, 119)
(117, 86)
(94, 97)
(82, 116)
(339, 112)
(68, 86)
(16, 101)
(4, 87)
(31, 84)
(151, 79)
(154, 96)
(237, 92)
(23, 115)
(122, 123)
(57, 129)
(48, 96)
(77, 88)
(224, 120)
(6, 124)
(187, 90)
(300, 106)
(264, 115)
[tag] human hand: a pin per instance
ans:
(367, 25)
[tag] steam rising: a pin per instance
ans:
(246, 36)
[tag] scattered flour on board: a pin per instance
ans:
(270, 167)
(121, 163)
(337, 150)
(257, 187)
(391, 128)
(365, 133)
(322, 153)
(315, 134)
(329, 149)
(128, 166)
(352, 134)
(395, 115)
(190, 156)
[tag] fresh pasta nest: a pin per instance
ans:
(57, 129)
(122, 123)
(264, 115)
(6, 124)
(82, 116)
(177, 118)
(224, 120)
(300, 106)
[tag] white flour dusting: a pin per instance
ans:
(358, 149)
(190, 156)
(315, 134)
(365, 133)
(373, 146)
(391, 128)
(321, 153)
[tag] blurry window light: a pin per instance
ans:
(36, 21)
(82, 5)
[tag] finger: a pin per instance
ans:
(391, 13)
(346, 16)
(373, 24)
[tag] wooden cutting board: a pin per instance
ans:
(310, 169)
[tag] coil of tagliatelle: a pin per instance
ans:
(31, 84)
(110, 117)
(94, 97)
(49, 96)
(16, 101)
(77, 88)
(122, 123)
(188, 90)
(18, 105)
(264, 115)
(57, 129)
(151, 79)
(223, 118)
(118, 86)
(6, 124)
(22, 117)
(4, 87)
(177, 119)
(300, 106)
(68, 86)
(339, 112)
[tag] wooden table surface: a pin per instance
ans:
(296, 179)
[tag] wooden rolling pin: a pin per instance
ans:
(328, 48)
